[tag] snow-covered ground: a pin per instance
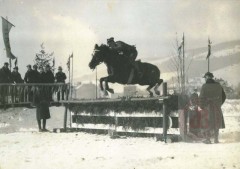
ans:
(22, 147)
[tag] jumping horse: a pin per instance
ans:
(123, 73)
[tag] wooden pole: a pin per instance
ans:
(69, 76)
(208, 64)
(65, 118)
(183, 65)
(96, 84)
(72, 79)
(165, 113)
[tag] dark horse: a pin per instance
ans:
(123, 73)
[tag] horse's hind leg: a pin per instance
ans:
(149, 90)
(157, 86)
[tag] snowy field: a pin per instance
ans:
(22, 147)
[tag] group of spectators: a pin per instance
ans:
(33, 75)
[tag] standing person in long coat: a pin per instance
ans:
(212, 96)
(42, 112)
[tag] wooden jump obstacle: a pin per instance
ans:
(119, 116)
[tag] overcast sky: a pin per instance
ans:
(67, 26)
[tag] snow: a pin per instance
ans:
(23, 147)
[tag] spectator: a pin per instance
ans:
(16, 76)
(17, 91)
(5, 74)
(5, 77)
(60, 77)
(42, 112)
(41, 75)
(48, 78)
(212, 96)
(35, 74)
(29, 75)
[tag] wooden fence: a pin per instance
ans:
(22, 94)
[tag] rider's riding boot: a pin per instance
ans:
(140, 74)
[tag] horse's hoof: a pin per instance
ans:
(157, 92)
(151, 95)
(111, 90)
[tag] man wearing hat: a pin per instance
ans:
(5, 77)
(5, 74)
(212, 96)
(48, 78)
(16, 76)
(60, 77)
(35, 74)
(29, 75)
(129, 52)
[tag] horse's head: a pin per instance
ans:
(97, 56)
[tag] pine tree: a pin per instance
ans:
(43, 58)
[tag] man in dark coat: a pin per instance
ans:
(41, 75)
(29, 78)
(17, 92)
(16, 76)
(42, 111)
(29, 75)
(60, 77)
(212, 96)
(35, 74)
(5, 74)
(5, 77)
(48, 78)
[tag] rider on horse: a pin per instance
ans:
(129, 52)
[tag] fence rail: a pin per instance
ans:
(23, 93)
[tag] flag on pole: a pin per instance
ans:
(181, 45)
(68, 62)
(209, 49)
(6, 27)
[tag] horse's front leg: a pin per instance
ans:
(109, 79)
(101, 83)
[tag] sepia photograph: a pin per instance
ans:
(119, 84)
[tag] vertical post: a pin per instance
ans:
(96, 84)
(165, 112)
(72, 79)
(65, 118)
(69, 76)
(208, 63)
(183, 65)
